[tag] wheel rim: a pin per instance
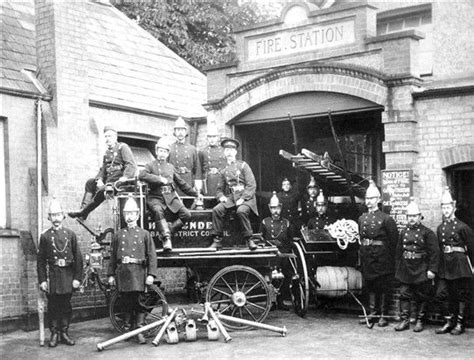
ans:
(239, 291)
(300, 282)
(154, 301)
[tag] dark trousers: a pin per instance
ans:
(243, 214)
(421, 292)
(130, 302)
(449, 293)
(98, 192)
(160, 211)
(59, 311)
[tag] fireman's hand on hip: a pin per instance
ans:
(76, 284)
(431, 275)
(239, 202)
(100, 183)
(44, 286)
(111, 280)
(149, 280)
(222, 199)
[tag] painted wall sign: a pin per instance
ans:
(302, 39)
(397, 187)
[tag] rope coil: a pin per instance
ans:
(344, 231)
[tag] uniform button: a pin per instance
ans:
(123, 235)
(55, 257)
(54, 251)
(134, 242)
(52, 237)
(123, 249)
(133, 249)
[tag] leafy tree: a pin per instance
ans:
(198, 31)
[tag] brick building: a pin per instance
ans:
(397, 77)
(69, 68)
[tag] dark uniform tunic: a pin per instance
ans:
(456, 242)
(117, 162)
(162, 179)
(236, 182)
(59, 261)
(319, 221)
(136, 244)
(417, 252)
(378, 239)
(184, 157)
(289, 205)
(278, 232)
(308, 208)
(212, 160)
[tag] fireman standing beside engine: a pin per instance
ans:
(378, 239)
(132, 266)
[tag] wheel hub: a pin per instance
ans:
(239, 299)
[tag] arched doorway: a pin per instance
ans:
(461, 181)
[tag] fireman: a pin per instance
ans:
(132, 266)
(456, 242)
(59, 273)
(378, 239)
(417, 260)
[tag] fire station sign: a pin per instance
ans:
(315, 37)
(397, 188)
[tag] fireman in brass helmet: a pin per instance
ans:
(308, 201)
(132, 266)
(416, 262)
(378, 239)
(320, 218)
(456, 242)
(59, 273)
(279, 232)
(162, 199)
(184, 157)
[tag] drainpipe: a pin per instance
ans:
(39, 169)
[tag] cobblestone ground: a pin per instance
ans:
(321, 335)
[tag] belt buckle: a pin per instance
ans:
(448, 249)
(165, 189)
(126, 260)
(367, 242)
(61, 262)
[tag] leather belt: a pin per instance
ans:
(61, 262)
(236, 188)
(448, 249)
(130, 260)
(412, 255)
(182, 170)
(166, 189)
(213, 171)
(370, 242)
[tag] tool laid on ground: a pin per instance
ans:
(101, 346)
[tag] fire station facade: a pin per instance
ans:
(397, 81)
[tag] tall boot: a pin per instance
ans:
(459, 328)
(383, 311)
(165, 234)
(404, 324)
(84, 213)
(251, 244)
(86, 199)
(175, 226)
(53, 340)
(65, 338)
(372, 312)
(140, 319)
(420, 318)
(448, 325)
(216, 243)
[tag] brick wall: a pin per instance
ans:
(442, 124)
